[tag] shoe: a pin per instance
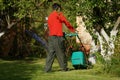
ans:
(67, 69)
(47, 71)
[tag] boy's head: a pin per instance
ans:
(56, 6)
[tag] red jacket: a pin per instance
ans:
(55, 21)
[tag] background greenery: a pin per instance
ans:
(30, 15)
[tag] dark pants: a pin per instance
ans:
(56, 48)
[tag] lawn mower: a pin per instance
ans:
(79, 58)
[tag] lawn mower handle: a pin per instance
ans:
(71, 34)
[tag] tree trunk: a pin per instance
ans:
(107, 49)
(7, 42)
(86, 38)
(106, 42)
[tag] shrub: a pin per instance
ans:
(113, 66)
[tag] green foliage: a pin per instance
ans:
(115, 69)
(113, 66)
(95, 12)
(30, 14)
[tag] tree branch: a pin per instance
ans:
(115, 30)
(2, 33)
(117, 23)
(104, 34)
(9, 23)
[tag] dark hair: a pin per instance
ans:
(56, 6)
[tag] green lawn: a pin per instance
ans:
(33, 69)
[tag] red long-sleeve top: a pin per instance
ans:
(55, 21)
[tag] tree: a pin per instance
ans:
(16, 16)
(101, 17)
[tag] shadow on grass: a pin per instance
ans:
(18, 69)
